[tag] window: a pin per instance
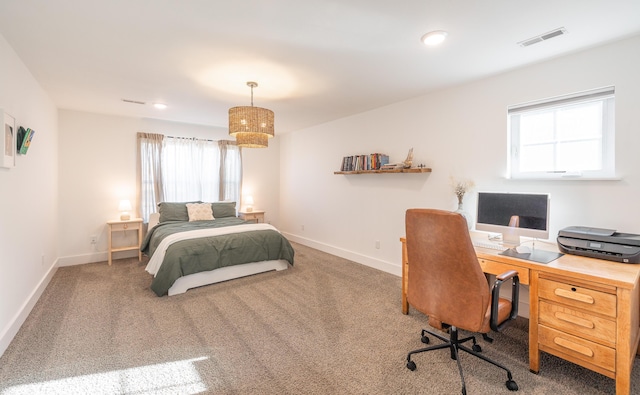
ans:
(175, 169)
(564, 137)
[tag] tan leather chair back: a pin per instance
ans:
(446, 281)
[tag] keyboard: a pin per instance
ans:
(489, 245)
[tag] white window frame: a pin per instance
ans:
(607, 143)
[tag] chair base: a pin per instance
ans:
(455, 344)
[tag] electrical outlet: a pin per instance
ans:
(42, 259)
(377, 244)
(93, 239)
(301, 227)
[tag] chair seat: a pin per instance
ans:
(504, 311)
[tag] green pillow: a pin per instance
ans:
(170, 211)
(223, 209)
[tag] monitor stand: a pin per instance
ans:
(540, 256)
(510, 238)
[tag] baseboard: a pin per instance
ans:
(93, 257)
(388, 267)
(12, 329)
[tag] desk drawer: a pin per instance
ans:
(494, 267)
(579, 323)
(125, 226)
(578, 296)
(580, 351)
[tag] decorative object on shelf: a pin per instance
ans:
(460, 188)
(409, 161)
(406, 164)
(251, 126)
(8, 141)
(24, 140)
(124, 207)
(248, 203)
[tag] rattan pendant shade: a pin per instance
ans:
(252, 140)
(251, 126)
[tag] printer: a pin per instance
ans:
(600, 243)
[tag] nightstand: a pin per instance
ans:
(134, 224)
(255, 215)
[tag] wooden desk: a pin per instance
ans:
(583, 310)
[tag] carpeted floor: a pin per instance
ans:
(326, 326)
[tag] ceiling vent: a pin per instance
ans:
(543, 37)
(133, 101)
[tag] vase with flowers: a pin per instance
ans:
(460, 188)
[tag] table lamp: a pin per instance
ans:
(124, 207)
(248, 203)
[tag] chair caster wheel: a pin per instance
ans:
(412, 366)
(511, 385)
(476, 348)
(424, 339)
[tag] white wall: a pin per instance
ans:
(28, 197)
(461, 132)
(98, 168)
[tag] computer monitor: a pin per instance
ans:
(513, 215)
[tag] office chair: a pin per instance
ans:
(446, 283)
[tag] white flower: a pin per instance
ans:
(460, 187)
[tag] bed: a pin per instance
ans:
(193, 244)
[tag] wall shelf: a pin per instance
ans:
(411, 170)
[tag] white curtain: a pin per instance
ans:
(190, 169)
(230, 171)
(178, 169)
(149, 173)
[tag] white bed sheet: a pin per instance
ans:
(225, 273)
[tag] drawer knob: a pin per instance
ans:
(563, 293)
(573, 346)
(575, 320)
(126, 226)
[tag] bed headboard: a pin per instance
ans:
(154, 218)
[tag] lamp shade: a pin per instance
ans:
(124, 207)
(251, 126)
(252, 140)
(249, 119)
(248, 203)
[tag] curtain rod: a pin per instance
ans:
(195, 138)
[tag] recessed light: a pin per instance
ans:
(160, 106)
(434, 38)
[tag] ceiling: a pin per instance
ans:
(314, 60)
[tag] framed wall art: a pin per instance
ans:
(8, 141)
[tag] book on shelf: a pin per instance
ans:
(364, 162)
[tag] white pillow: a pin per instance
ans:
(200, 212)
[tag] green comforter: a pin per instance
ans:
(208, 253)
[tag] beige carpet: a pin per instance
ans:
(326, 326)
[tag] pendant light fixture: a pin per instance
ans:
(251, 126)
